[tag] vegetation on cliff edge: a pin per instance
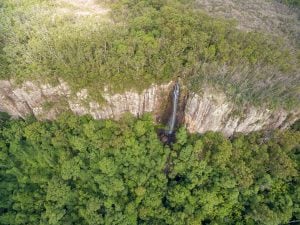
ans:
(145, 42)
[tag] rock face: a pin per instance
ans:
(150, 100)
(31, 98)
(212, 111)
(46, 101)
(208, 111)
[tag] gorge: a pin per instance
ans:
(210, 110)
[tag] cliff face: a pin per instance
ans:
(46, 101)
(212, 111)
(208, 111)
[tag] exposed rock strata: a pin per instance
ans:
(212, 111)
(208, 111)
(46, 101)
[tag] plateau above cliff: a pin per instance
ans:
(129, 45)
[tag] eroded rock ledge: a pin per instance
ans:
(212, 111)
(208, 111)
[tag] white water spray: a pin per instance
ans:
(172, 120)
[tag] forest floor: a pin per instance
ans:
(82, 7)
(256, 15)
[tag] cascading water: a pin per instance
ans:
(172, 120)
(169, 135)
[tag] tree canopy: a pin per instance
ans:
(77, 170)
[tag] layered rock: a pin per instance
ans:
(46, 101)
(210, 110)
(149, 100)
(31, 98)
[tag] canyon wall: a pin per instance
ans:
(46, 102)
(210, 110)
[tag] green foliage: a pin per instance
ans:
(293, 3)
(80, 171)
(144, 42)
(3, 117)
(296, 125)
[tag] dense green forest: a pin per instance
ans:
(144, 42)
(77, 170)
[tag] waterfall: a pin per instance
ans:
(172, 119)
